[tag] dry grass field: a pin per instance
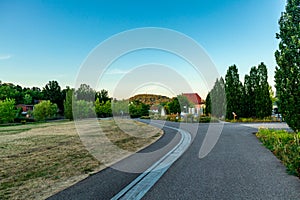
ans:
(38, 160)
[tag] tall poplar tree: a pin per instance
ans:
(68, 103)
(287, 75)
(263, 98)
(234, 93)
(218, 99)
(208, 104)
(253, 91)
(247, 97)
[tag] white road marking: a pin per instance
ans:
(142, 184)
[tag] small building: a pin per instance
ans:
(197, 101)
(157, 109)
(154, 109)
(25, 108)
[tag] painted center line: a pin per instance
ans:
(142, 184)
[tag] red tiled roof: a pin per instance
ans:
(193, 97)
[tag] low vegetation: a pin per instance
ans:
(285, 146)
(38, 160)
(254, 120)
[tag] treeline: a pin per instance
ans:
(84, 102)
(251, 99)
(51, 101)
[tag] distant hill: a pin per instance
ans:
(150, 99)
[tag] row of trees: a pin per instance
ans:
(52, 100)
(86, 102)
(52, 92)
(137, 108)
(251, 99)
(83, 102)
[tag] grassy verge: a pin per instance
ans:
(254, 120)
(285, 146)
(39, 160)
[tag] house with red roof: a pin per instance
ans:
(197, 101)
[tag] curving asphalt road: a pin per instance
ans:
(238, 167)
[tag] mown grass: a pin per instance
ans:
(39, 160)
(130, 135)
(285, 146)
(13, 131)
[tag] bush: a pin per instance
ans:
(7, 110)
(44, 110)
(257, 120)
(103, 109)
(284, 145)
(145, 117)
(158, 117)
(204, 119)
(172, 118)
(83, 109)
(138, 109)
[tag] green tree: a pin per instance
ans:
(103, 109)
(247, 98)
(263, 100)
(85, 92)
(83, 109)
(174, 106)
(7, 110)
(44, 110)
(253, 92)
(36, 93)
(68, 104)
(27, 99)
(234, 92)
(138, 109)
(217, 99)
(8, 90)
(145, 109)
(287, 74)
(103, 96)
(208, 104)
(120, 107)
(52, 92)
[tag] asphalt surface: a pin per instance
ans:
(238, 167)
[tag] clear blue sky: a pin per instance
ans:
(48, 40)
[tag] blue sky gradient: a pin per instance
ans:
(48, 40)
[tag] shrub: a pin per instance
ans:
(246, 120)
(172, 118)
(44, 110)
(83, 109)
(145, 117)
(7, 110)
(285, 146)
(103, 109)
(138, 109)
(204, 119)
